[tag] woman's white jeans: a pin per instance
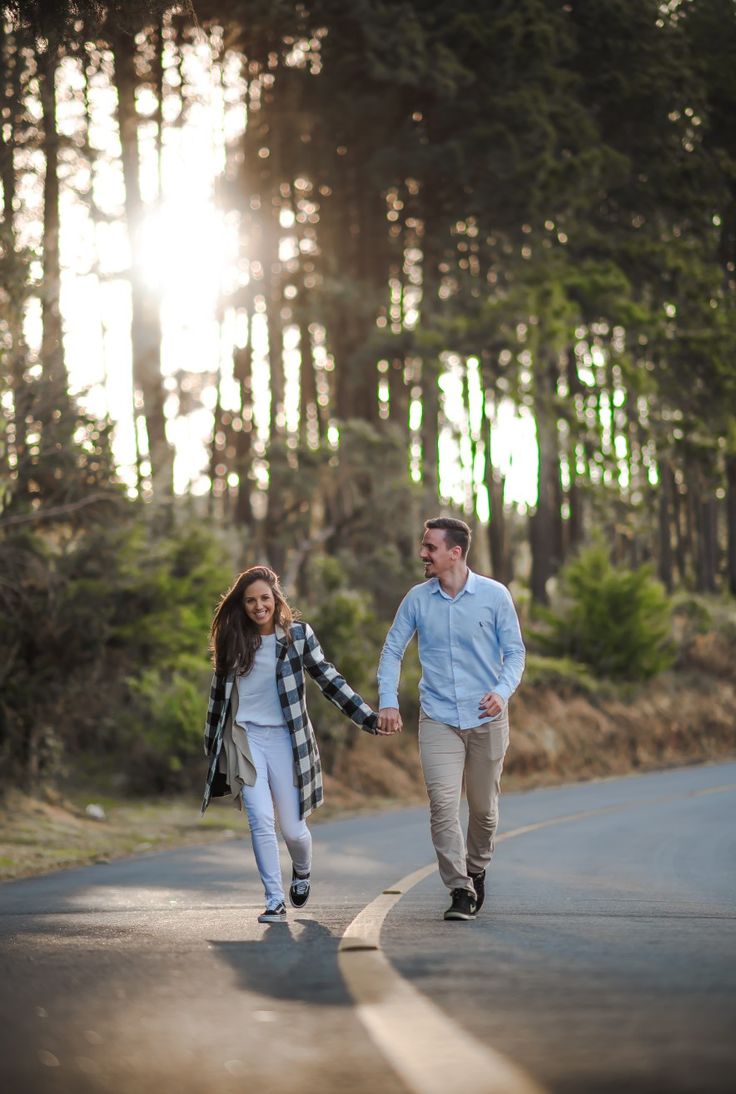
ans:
(275, 796)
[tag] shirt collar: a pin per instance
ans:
(470, 585)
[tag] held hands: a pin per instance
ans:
(491, 704)
(389, 721)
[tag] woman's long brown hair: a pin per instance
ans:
(234, 638)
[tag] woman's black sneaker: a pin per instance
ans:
(273, 915)
(479, 884)
(299, 890)
(463, 905)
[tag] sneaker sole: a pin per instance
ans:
(459, 915)
(272, 919)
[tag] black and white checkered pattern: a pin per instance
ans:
(303, 652)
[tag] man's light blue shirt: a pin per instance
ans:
(469, 645)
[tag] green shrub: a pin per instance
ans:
(103, 646)
(616, 622)
(561, 673)
(164, 720)
(346, 626)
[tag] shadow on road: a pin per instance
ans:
(289, 964)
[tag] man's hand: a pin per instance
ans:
(491, 705)
(389, 721)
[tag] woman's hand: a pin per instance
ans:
(389, 721)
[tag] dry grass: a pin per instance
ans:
(39, 835)
(558, 735)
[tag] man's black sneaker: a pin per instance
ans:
(299, 890)
(463, 905)
(273, 915)
(479, 884)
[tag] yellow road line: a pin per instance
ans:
(429, 1051)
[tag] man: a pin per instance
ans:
(472, 658)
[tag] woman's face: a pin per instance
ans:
(260, 605)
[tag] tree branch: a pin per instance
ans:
(54, 512)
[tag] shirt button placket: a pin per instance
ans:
(452, 662)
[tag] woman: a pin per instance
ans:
(258, 734)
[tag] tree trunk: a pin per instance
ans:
(158, 79)
(731, 522)
(497, 531)
(545, 522)
(430, 432)
(242, 363)
(575, 495)
(359, 272)
(275, 323)
(679, 506)
(52, 348)
(146, 302)
(707, 545)
(217, 478)
(310, 423)
(17, 279)
(575, 524)
(666, 488)
(471, 492)
(399, 396)
(430, 367)
(690, 523)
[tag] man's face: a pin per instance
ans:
(438, 557)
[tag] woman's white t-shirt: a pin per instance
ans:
(258, 697)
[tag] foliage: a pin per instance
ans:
(46, 18)
(351, 633)
(376, 515)
(561, 673)
(705, 633)
(163, 724)
(548, 190)
(346, 626)
(103, 644)
(615, 621)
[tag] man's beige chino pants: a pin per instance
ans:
(450, 757)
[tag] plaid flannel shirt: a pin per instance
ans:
(303, 652)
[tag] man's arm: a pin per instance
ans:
(389, 666)
(512, 648)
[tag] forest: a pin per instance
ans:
(458, 243)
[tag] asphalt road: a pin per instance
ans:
(604, 960)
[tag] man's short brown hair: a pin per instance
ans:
(457, 532)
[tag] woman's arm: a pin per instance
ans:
(334, 686)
